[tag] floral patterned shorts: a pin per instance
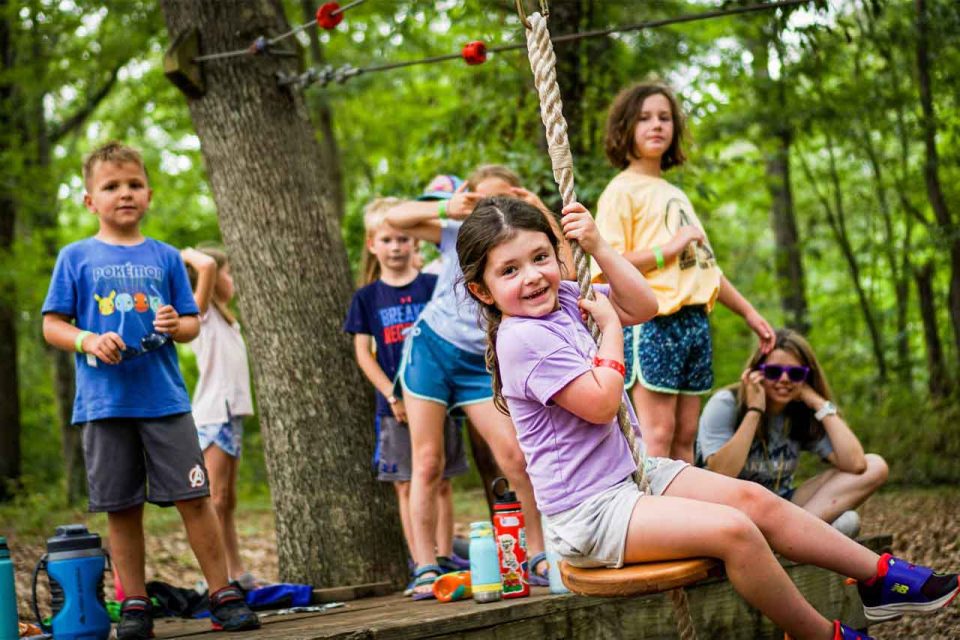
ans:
(228, 436)
(671, 354)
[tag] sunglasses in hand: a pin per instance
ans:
(774, 372)
(148, 343)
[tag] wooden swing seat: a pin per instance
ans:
(639, 579)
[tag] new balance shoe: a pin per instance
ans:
(136, 619)
(229, 611)
(900, 587)
(842, 632)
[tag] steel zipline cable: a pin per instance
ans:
(328, 16)
(475, 52)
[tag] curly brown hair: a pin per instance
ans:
(619, 139)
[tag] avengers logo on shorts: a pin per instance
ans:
(197, 477)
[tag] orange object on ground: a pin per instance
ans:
(452, 586)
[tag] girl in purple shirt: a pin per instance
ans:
(563, 394)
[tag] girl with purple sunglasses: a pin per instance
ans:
(755, 430)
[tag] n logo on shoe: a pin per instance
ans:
(902, 589)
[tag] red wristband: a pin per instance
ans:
(613, 364)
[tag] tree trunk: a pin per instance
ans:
(9, 381)
(938, 382)
(323, 115)
(335, 524)
(931, 166)
(783, 219)
(777, 128)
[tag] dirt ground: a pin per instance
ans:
(925, 525)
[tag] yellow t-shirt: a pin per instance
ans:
(637, 212)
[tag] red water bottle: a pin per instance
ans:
(511, 539)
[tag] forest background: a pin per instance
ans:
(824, 164)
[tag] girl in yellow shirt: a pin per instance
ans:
(653, 224)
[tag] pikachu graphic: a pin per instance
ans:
(106, 303)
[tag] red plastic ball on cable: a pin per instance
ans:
(326, 18)
(474, 52)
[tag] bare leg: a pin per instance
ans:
(789, 529)
(833, 491)
(203, 532)
(498, 431)
(127, 549)
(685, 427)
(445, 519)
(403, 501)
(664, 528)
(657, 413)
(426, 419)
(222, 470)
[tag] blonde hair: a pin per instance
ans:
(374, 217)
(486, 171)
(113, 151)
(220, 257)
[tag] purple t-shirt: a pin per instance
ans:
(568, 459)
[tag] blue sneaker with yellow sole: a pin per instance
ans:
(900, 587)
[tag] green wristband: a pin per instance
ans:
(658, 255)
(78, 341)
(442, 209)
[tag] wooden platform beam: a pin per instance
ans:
(718, 613)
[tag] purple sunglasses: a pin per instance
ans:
(774, 372)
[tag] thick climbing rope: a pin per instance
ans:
(543, 63)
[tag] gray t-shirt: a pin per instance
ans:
(451, 312)
(773, 467)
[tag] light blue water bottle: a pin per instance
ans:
(9, 629)
(484, 564)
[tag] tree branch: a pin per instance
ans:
(80, 116)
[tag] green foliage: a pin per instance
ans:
(845, 70)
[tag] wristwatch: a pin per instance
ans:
(392, 399)
(828, 409)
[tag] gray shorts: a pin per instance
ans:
(135, 460)
(393, 459)
(594, 533)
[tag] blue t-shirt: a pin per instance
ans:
(452, 313)
(386, 312)
(107, 287)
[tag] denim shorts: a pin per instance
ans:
(435, 369)
(672, 354)
(594, 533)
(228, 436)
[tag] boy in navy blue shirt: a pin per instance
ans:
(120, 300)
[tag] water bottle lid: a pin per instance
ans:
(503, 494)
(72, 537)
(4, 549)
(481, 529)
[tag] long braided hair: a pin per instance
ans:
(494, 221)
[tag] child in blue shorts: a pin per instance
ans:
(444, 368)
(120, 300)
(653, 225)
(381, 312)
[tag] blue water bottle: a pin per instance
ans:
(9, 629)
(75, 562)
(484, 563)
